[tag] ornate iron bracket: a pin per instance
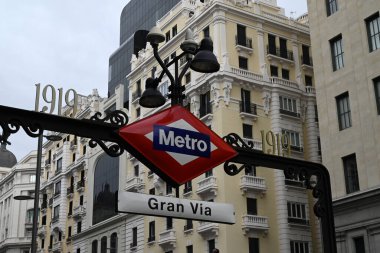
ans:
(293, 169)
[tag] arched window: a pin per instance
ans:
(103, 245)
(106, 183)
(113, 243)
(94, 246)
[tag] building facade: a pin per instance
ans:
(345, 36)
(263, 91)
(16, 217)
(136, 15)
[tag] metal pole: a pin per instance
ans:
(37, 193)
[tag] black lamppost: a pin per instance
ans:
(204, 61)
(37, 187)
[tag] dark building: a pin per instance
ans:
(136, 15)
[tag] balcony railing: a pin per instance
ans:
(134, 184)
(70, 191)
(252, 143)
(42, 230)
(55, 219)
(79, 212)
(80, 185)
(254, 223)
(205, 109)
(207, 185)
(290, 113)
(208, 229)
(245, 42)
(252, 183)
(167, 238)
(298, 221)
(151, 239)
(249, 108)
(44, 205)
(50, 201)
(188, 227)
(307, 61)
(285, 54)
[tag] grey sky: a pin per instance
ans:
(63, 43)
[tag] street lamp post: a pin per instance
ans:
(37, 187)
(204, 61)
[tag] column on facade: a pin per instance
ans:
(261, 53)
(297, 68)
(311, 130)
(195, 104)
(220, 39)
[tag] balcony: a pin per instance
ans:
(253, 144)
(208, 186)
(134, 184)
(290, 113)
(188, 228)
(136, 95)
(298, 222)
(43, 206)
(73, 145)
(281, 55)
(57, 194)
(167, 240)
(187, 191)
(70, 191)
(307, 62)
(42, 231)
(55, 219)
(47, 163)
(50, 201)
(248, 110)
(252, 184)
(208, 229)
(205, 110)
(151, 240)
(80, 185)
(79, 212)
(57, 247)
(254, 223)
(243, 45)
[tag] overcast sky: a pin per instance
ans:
(63, 43)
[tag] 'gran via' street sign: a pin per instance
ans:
(131, 202)
(180, 145)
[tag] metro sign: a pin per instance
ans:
(180, 146)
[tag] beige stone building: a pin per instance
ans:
(345, 38)
(265, 85)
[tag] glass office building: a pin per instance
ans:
(136, 15)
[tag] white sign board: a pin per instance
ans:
(131, 202)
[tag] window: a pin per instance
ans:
(169, 223)
(205, 104)
(152, 191)
(43, 221)
(319, 145)
(273, 71)
(84, 149)
(376, 85)
(70, 208)
(299, 247)
(250, 171)
(164, 88)
(253, 244)
(166, 60)
(169, 189)
(188, 187)
(29, 216)
(73, 157)
(57, 189)
(308, 80)
(344, 112)
(167, 36)
(151, 237)
(211, 245)
(336, 45)
(283, 48)
(174, 30)
(42, 244)
(306, 55)
(103, 245)
(59, 164)
(294, 138)
(138, 112)
(331, 7)
(251, 206)
(114, 243)
(94, 246)
(154, 69)
(136, 171)
(32, 179)
(351, 173)
(56, 212)
(59, 236)
(297, 213)
(359, 244)
(373, 31)
(247, 131)
(208, 173)
(189, 249)
(245, 105)
(241, 37)
(81, 200)
(79, 227)
(134, 237)
(78, 250)
(106, 183)
(173, 55)
(189, 225)
(271, 44)
(288, 106)
(243, 63)
(188, 78)
(285, 74)
(206, 32)
(69, 232)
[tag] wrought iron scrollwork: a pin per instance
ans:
(117, 118)
(13, 126)
(236, 141)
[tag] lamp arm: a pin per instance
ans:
(162, 64)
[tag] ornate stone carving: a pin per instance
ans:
(215, 92)
(227, 87)
(266, 102)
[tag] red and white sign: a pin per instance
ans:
(180, 145)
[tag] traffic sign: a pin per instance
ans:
(177, 143)
(131, 202)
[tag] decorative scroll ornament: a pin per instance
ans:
(118, 118)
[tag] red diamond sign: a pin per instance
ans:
(178, 144)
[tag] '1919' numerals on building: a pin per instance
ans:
(277, 144)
